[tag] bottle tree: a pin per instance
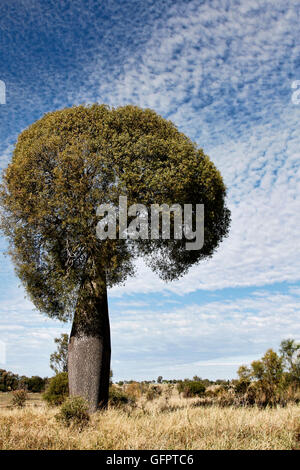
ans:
(63, 167)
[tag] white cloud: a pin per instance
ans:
(28, 336)
(211, 339)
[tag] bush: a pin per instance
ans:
(135, 390)
(19, 398)
(118, 398)
(153, 392)
(57, 390)
(74, 411)
(191, 389)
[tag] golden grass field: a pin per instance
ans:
(168, 424)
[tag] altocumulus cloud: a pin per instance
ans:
(222, 71)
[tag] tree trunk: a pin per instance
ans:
(89, 347)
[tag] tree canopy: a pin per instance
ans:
(70, 161)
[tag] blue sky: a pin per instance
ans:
(222, 71)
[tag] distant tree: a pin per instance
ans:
(190, 388)
(221, 382)
(244, 373)
(290, 352)
(8, 381)
(59, 359)
(196, 378)
(245, 378)
(273, 371)
(159, 379)
(34, 384)
(2, 380)
(269, 368)
(63, 167)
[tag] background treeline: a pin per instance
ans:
(272, 380)
(10, 382)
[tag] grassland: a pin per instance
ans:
(34, 399)
(174, 423)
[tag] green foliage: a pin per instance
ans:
(290, 353)
(59, 359)
(268, 380)
(118, 398)
(245, 377)
(196, 378)
(190, 388)
(269, 369)
(8, 381)
(19, 398)
(74, 411)
(263, 383)
(57, 389)
(34, 384)
(72, 160)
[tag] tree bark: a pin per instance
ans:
(89, 348)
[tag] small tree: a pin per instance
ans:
(19, 398)
(245, 378)
(290, 353)
(196, 378)
(59, 359)
(159, 379)
(263, 382)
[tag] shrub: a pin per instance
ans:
(118, 398)
(189, 388)
(57, 390)
(74, 411)
(135, 390)
(19, 398)
(153, 392)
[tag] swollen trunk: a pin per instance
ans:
(89, 348)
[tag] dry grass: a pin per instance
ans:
(173, 423)
(34, 399)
